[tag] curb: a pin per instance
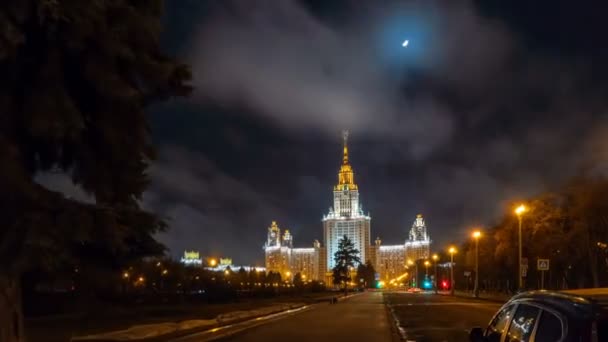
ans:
(397, 331)
(216, 333)
(202, 335)
(495, 300)
(222, 323)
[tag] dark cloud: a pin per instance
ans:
(207, 209)
(482, 109)
(473, 115)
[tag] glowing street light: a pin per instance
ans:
(125, 275)
(452, 251)
(212, 262)
(426, 265)
(519, 211)
(476, 236)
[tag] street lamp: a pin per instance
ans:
(426, 265)
(435, 259)
(476, 236)
(415, 277)
(452, 251)
(212, 262)
(519, 211)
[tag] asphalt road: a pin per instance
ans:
(360, 318)
(428, 317)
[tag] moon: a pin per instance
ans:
(405, 43)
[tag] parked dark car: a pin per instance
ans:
(547, 316)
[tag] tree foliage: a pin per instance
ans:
(76, 77)
(569, 226)
(367, 273)
(345, 259)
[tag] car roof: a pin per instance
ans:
(599, 295)
(585, 302)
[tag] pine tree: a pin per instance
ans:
(345, 259)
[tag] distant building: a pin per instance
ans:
(345, 217)
(281, 257)
(191, 258)
(391, 261)
(226, 263)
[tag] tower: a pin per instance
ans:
(287, 239)
(418, 230)
(418, 244)
(274, 235)
(346, 216)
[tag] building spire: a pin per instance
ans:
(345, 138)
(346, 175)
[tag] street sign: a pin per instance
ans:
(542, 264)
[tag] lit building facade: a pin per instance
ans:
(345, 217)
(419, 244)
(192, 258)
(390, 261)
(281, 257)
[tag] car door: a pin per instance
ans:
(550, 328)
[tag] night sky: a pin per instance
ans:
(491, 102)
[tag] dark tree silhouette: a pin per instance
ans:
(367, 273)
(345, 259)
(76, 78)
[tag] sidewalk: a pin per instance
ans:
(173, 329)
(494, 297)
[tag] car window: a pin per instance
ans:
(522, 323)
(498, 324)
(549, 328)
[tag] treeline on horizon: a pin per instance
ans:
(568, 226)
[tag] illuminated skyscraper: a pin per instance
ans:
(346, 216)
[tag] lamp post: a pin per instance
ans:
(435, 259)
(519, 211)
(476, 236)
(452, 251)
(415, 277)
